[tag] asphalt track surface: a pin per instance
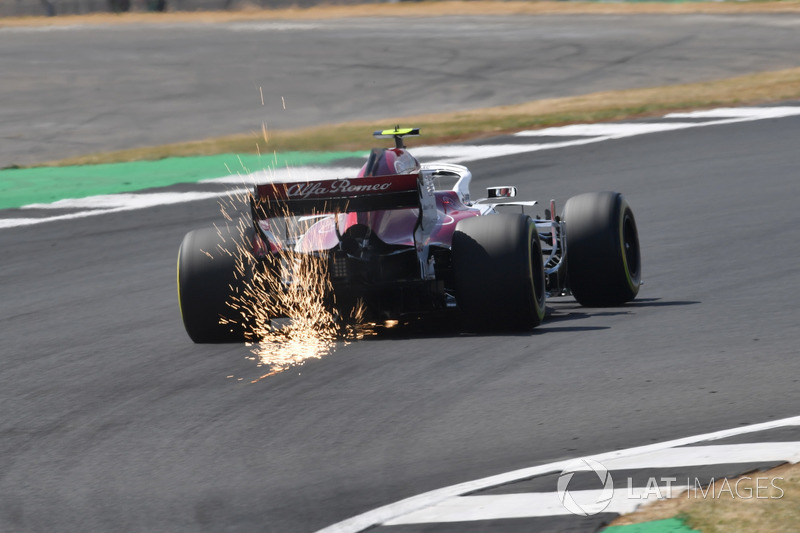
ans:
(77, 90)
(114, 421)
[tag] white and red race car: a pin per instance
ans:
(396, 242)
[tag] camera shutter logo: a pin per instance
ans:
(598, 501)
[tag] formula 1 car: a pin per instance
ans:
(404, 247)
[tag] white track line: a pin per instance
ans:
(611, 130)
(709, 455)
(460, 153)
(287, 175)
(127, 200)
(527, 505)
(488, 507)
(112, 203)
(409, 505)
(757, 113)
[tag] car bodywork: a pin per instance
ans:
(402, 241)
(386, 235)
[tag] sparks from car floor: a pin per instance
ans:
(309, 329)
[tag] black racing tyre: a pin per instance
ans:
(603, 256)
(206, 280)
(498, 272)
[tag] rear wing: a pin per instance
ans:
(336, 196)
(377, 193)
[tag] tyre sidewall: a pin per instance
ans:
(600, 272)
(495, 259)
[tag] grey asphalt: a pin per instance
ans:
(77, 90)
(114, 421)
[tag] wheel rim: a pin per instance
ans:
(630, 246)
(537, 268)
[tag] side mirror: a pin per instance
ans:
(501, 192)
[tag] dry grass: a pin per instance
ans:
(776, 510)
(758, 88)
(415, 9)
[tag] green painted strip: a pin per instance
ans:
(670, 525)
(24, 186)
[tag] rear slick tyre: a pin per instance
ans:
(603, 257)
(207, 279)
(498, 271)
